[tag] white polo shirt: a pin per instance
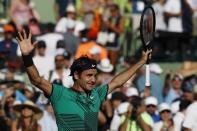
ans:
(174, 23)
(191, 117)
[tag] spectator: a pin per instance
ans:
(60, 6)
(151, 108)
(189, 123)
(137, 119)
(8, 47)
(85, 46)
(28, 114)
(166, 122)
(40, 56)
(180, 116)
(47, 122)
(71, 40)
(59, 75)
(122, 110)
(131, 93)
(21, 11)
(50, 38)
(114, 26)
(116, 100)
(69, 16)
(175, 91)
(161, 27)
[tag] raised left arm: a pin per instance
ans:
(124, 76)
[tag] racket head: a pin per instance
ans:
(147, 26)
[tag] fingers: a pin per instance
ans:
(20, 36)
(17, 39)
(24, 34)
(30, 35)
(34, 44)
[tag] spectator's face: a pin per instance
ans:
(71, 15)
(41, 51)
(27, 112)
(141, 108)
(86, 79)
(188, 96)
(113, 11)
(151, 109)
(29, 94)
(10, 99)
(176, 83)
(165, 115)
(59, 62)
(67, 63)
(25, 1)
(8, 35)
(116, 103)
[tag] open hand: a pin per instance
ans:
(24, 42)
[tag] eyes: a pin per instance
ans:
(92, 75)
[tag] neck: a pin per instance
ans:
(76, 87)
(161, 2)
(59, 69)
(27, 121)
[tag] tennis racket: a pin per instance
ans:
(147, 31)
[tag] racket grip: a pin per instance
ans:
(147, 75)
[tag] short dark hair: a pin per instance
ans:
(41, 44)
(81, 64)
(60, 44)
(184, 104)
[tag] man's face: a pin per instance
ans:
(59, 62)
(8, 35)
(176, 83)
(188, 96)
(41, 51)
(87, 79)
(151, 109)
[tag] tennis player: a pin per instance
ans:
(75, 108)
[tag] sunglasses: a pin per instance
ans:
(56, 60)
(151, 106)
(165, 111)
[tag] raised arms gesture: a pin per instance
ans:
(26, 47)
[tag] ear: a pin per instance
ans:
(76, 75)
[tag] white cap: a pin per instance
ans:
(105, 65)
(70, 8)
(155, 68)
(151, 100)
(95, 50)
(70, 24)
(123, 107)
(59, 51)
(131, 91)
(175, 107)
(164, 106)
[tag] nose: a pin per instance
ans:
(93, 79)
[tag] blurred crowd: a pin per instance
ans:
(99, 29)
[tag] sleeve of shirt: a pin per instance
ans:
(147, 119)
(56, 92)
(61, 26)
(167, 6)
(102, 92)
(189, 119)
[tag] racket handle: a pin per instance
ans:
(147, 75)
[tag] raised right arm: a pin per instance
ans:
(26, 48)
